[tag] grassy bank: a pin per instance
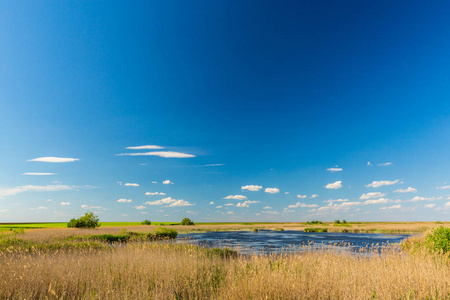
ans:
(155, 270)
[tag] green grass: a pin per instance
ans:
(6, 227)
(315, 230)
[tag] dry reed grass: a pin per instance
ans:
(169, 271)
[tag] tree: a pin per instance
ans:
(89, 220)
(187, 221)
(146, 222)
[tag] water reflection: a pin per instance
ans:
(268, 241)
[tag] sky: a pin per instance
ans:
(230, 111)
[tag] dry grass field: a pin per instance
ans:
(70, 269)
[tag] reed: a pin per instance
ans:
(166, 270)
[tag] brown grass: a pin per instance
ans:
(169, 271)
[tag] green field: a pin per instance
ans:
(5, 226)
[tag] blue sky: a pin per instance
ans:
(233, 110)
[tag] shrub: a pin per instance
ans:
(314, 222)
(187, 221)
(222, 252)
(344, 222)
(337, 222)
(146, 222)
(439, 240)
(109, 238)
(278, 229)
(315, 230)
(89, 220)
(162, 233)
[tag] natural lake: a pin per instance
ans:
(290, 241)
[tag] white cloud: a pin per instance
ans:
(301, 196)
(299, 204)
(372, 195)
(267, 207)
(417, 198)
(167, 182)
(152, 147)
(140, 207)
(314, 196)
(51, 159)
(368, 163)
(154, 181)
(408, 190)
(131, 184)
(246, 203)
(230, 212)
(334, 169)
(3, 210)
(211, 202)
(377, 201)
(65, 203)
(220, 206)
(336, 200)
(270, 212)
(334, 185)
(385, 164)
(213, 165)
(165, 154)
(229, 204)
(447, 204)
(432, 205)
(376, 184)
(272, 190)
(252, 188)
(124, 200)
(154, 193)
(286, 193)
(124, 215)
(84, 206)
(34, 188)
(39, 208)
(170, 202)
(235, 197)
(446, 187)
(39, 174)
(391, 207)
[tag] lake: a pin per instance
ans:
(291, 241)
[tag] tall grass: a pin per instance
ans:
(163, 270)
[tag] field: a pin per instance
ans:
(63, 263)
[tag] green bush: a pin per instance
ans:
(314, 222)
(162, 233)
(278, 229)
(146, 222)
(337, 222)
(109, 238)
(315, 230)
(344, 222)
(439, 240)
(89, 220)
(187, 221)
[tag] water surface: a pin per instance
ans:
(289, 241)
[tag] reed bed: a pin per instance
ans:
(167, 270)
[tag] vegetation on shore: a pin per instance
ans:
(58, 263)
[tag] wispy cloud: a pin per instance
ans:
(213, 165)
(170, 202)
(372, 195)
(369, 163)
(246, 203)
(148, 147)
(252, 188)
(299, 204)
(334, 185)
(314, 196)
(154, 193)
(431, 205)
(335, 169)
(34, 188)
(165, 154)
(51, 159)
(335, 200)
(301, 196)
(408, 190)
(131, 184)
(376, 184)
(235, 197)
(272, 190)
(270, 212)
(140, 207)
(417, 198)
(377, 201)
(39, 174)
(65, 203)
(124, 200)
(445, 187)
(398, 206)
(385, 164)
(167, 182)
